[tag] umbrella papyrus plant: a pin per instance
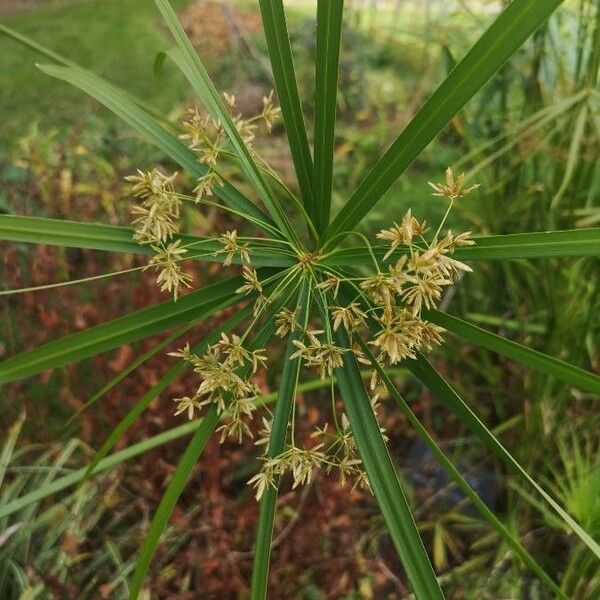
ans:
(338, 305)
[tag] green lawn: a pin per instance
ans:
(116, 38)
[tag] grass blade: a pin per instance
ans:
(460, 481)
(329, 31)
(123, 107)
(521, 354)
(283, 410)
(170, 498)
(514, 25)
(278, 44)
(131, 327)
(436, 383)
(97, 236)
(108, 463)
(9, 444)
(514, 246)
(383, 478)
(187, 59)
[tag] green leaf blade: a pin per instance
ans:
(512, 541)
(283, 410)
(97, 236)
(514, 25)
(170, 497)
(521, 354)
(120, 104)
(278, 45)
(423, 371)
(111, 334)
(383, 478)
(165, 381)
(329, 31)
(188, 61)
(515, 246)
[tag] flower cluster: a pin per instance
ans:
(156, 217)
(156, 221)
(206, 137)
(384, 312)
(334, 451)
(414, 280)
(225, 370)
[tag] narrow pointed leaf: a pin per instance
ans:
(521, 354)
(123, 107)
(329, 30)
(131, 367)
(129, 328)
(436, 383)
(510, 30)
(278, 44)
(545, 244)
(187, 59)
(383, 478)
(512, 541)
(279, 427)
(108, 463)
(97, 236)
(170, 498)
(62, 60)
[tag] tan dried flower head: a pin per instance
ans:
(350, 316)
(401, 234)
(171, 277)
(206, 184)
(270, 113)
(453, 188)
(151, 183)
(286, 321)
(252, 283)
(232, 247)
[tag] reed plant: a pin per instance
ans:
(340, 299)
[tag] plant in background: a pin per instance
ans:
(375, 304)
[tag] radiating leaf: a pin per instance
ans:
(165, 381)
(134, 326)
(512, 541)
(278, 44)
(383, 477)
(170, 498)
(514, 25)
(521, 354)
(97, 236)
(544, 244)
(123, 107)
(187, 59)
(436, 383)
(329, 29)
(62, 60)
(283, 409)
